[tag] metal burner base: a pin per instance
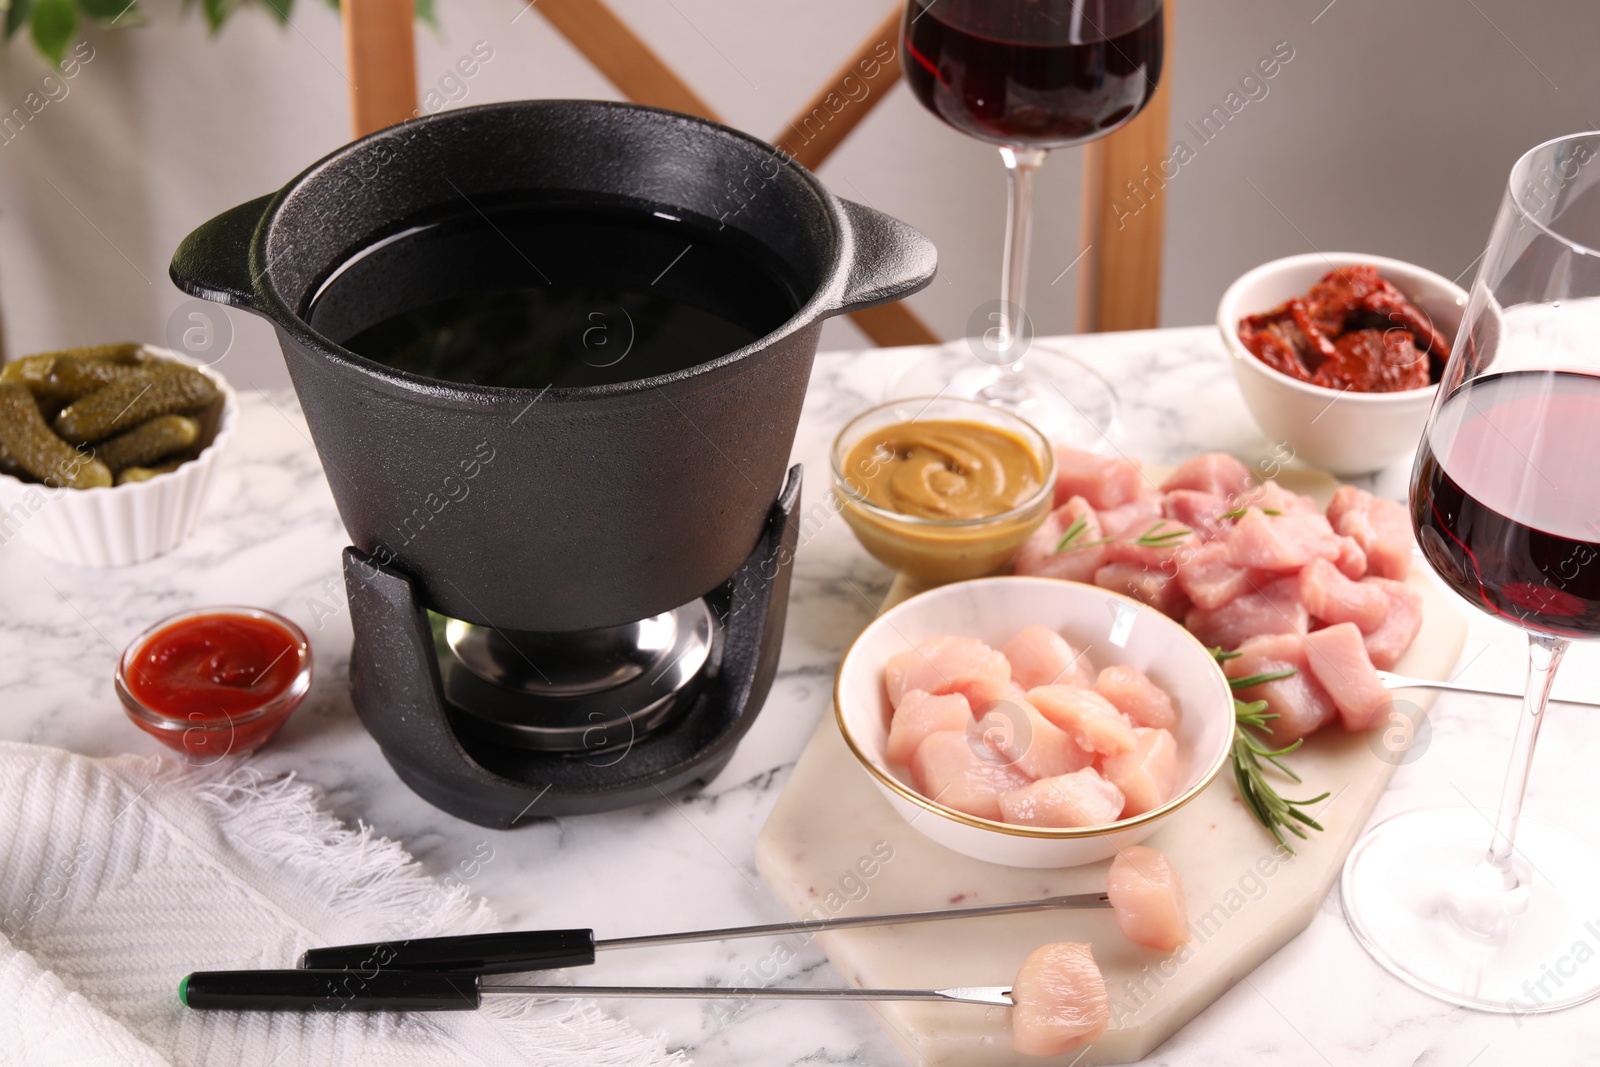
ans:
(586, 691)
(399, 693)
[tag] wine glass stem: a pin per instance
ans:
(1544, 657)
(1021, 166)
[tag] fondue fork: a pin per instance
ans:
(335, 991)
(1391, 680)
(543, 950)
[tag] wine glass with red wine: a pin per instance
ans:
(1029, 76)
(1505, 498)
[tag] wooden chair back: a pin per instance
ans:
(1119, 279)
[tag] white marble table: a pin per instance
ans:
(270, 537)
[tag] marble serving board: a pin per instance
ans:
(833, 846)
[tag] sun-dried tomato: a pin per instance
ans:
(1353, 330)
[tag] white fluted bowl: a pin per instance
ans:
(121, 524)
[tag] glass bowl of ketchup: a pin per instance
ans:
(215, 682)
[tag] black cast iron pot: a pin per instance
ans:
(581, 507)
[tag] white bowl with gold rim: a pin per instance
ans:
(1115, 629)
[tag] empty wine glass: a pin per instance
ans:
(1480, 910)
(1029, 76)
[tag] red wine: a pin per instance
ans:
(1030, 73)
(1506, 498)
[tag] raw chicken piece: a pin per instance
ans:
(1164, 542)
(1270, 496)
(1104, 483)
(1210, 579)
(921, 713)
(1284, 542)
(1333, 598)
(1147, 899)
(1061, 1000)
(1381, 527)
(1149, 496)
(1136, 696)
(1273, 608)
(1352, 561)
(1201, 512)
(1082, 798)
(1350, 501)
(1388, 643)
(1029, 742)
(946, 769)
(1146, 774)
(948, 665)
(1144, 585)
(1038, 556)
(1088, 718)
(1303, 707)
(1040, 656)
(1339, 661)
(1214, 472)
(1114, 519)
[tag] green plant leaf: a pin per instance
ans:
(426, 13)
(17, 16)
(116, 12)
(217, 12)
(280, 9)
(52, 23)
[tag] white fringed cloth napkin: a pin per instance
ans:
(119, 876)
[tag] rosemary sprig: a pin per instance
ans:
(1250, 680)
(1151, 539)
(1075, 531)
(1272, 810)
(1070, 540)
(1238, 512)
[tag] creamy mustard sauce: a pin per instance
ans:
(943, 469)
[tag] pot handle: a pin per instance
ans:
(213, 262)
(888, 259)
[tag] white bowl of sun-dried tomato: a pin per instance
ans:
(1338, 354)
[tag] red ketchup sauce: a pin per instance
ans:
(213, 671)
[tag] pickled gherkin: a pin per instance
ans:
(123, 352)
(28, 439)
(144, 474)
(143, 445)
(9, 464)
(65, 379)
(160, 389)
(115, 352)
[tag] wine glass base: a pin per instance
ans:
(1412, 886)
(1064, 398)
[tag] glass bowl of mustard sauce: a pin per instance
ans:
(942, 489)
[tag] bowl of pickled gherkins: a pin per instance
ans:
(106, 452)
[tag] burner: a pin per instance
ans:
(499, 726)
(582, 691)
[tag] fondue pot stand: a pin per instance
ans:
(566, 599)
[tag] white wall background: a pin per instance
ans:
(1390, 131)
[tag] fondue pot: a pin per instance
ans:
(582, 529)
(618, 502)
